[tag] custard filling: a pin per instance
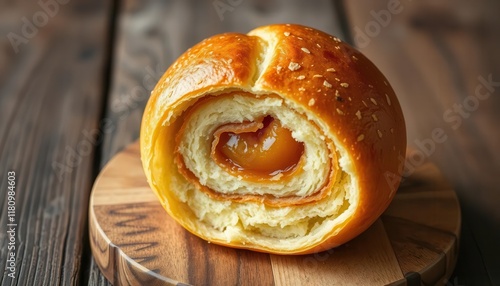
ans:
(259, 148)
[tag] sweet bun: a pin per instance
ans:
(284, 140)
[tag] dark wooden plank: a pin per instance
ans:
(438, 55)
(151, 34)
(50, 98)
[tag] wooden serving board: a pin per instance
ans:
(135, 242)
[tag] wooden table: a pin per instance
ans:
(75, 76)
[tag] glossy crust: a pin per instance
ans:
(323, 76)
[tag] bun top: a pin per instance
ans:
(318, 71)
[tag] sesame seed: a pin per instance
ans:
(293, 66)
(319, 46)
(364, 103)
(337, 92)
(299, 38)
(375, 118)
(317, 75)
(311, 102)
(230, 61)
(337, 79)
(287, 33)
(344, 84)
(350, 99)
(373, 100)
(319, 90)
(327, 84)
(301, 89)
(358, 114)
(330, 70)
(305, 50)
(361, 137)
(388, 99)
(354, 58)
(392, 130)
(379, 133)
(337, 47)
(370, 86)
(337, 39)
(278, 68)
(340, 112)
(301, 77)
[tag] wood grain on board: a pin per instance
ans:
(135, 242)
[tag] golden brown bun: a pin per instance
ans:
(330, 96)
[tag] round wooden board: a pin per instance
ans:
(135, 242)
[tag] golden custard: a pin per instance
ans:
(263, 147)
